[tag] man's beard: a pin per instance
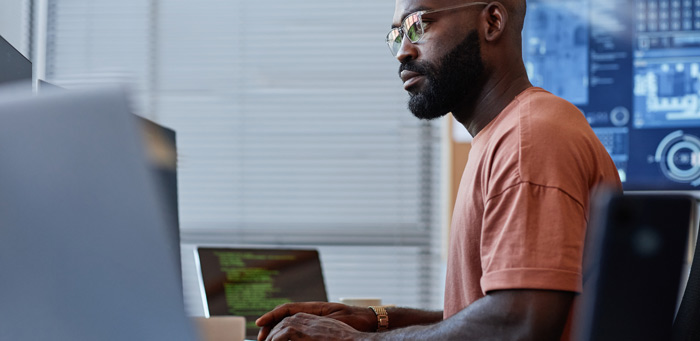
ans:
(454, 79)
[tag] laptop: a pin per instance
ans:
(249, 282)
(83, 251)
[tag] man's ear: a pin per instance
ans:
(495, 19)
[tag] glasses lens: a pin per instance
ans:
(393, 39)
(413, 25)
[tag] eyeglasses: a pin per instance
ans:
(413, 27)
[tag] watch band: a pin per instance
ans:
(382, 317)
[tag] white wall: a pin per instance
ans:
(11, 13)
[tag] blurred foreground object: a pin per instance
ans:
(14, 67)
(83, 241)
(632, 272)
(687, 323)
(221, 328)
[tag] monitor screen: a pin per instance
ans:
(161, 150)
(633, 69)
(13, 65)
(161, 144)
(251, 282)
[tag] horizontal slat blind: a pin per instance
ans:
(319, 128)
(292, 129)
(100, 41)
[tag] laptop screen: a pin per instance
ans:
(251, 282)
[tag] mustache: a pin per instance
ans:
(417, 67)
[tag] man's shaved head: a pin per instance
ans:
(516, 15)
(516, 12)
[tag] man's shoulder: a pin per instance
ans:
(536, 117)
(543, 118)
(537, 109)
(550, 143)
(544, 107)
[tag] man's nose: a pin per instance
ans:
(407, 51)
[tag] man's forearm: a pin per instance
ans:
(470, 323)
(514, 315)
(408, 328)
(405, 317)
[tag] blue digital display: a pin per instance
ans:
(557, 39)
(633, 69)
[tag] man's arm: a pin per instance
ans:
(507, 314)
(360, 318)
(405, 317)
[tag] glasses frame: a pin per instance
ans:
(401, 31)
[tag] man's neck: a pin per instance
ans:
(497, 94)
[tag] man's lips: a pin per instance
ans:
(410, 78)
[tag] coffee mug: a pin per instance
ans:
(361, 301)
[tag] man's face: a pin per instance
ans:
(445, 68)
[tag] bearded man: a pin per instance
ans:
(519, 222)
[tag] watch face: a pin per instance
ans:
(382, 318)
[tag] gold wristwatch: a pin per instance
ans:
(382, 317)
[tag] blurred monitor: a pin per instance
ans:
(161, 144)
(633, 69)
(14, 67)
(83, 247)
(633, 268)
(44, 86)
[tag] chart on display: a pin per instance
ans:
(633, 69)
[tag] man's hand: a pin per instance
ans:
(303, 326)
(361, 319)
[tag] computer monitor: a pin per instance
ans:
(633, 267)
(161, 143)
(633, 69)
(83, 248)
(14, 67)
(44, 86)
(250, 282)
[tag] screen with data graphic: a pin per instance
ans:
(633, 69)
(251, 282)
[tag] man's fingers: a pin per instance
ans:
(271, 320)
(311, 327)
(287, 328)
(288, 309)
(276, 315)
(263, 333)
(270, 317)
(268, 321)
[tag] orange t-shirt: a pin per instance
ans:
(520, 217)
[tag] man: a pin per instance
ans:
(516, 242)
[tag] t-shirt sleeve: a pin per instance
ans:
(532, 238)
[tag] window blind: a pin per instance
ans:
(292, 130)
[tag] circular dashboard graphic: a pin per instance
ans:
(620, 116)
(678, 155)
